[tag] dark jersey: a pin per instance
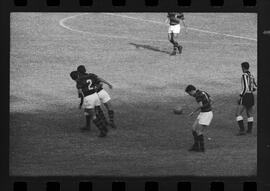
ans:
(175, 18)
(99, 87)
(87, 83)
(202, 96)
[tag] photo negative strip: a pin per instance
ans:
(169, 98)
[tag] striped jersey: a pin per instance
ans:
(248, 83)
(204, 97)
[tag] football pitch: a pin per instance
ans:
(131, 51)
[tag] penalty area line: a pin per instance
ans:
(189, 28)
(62, 24)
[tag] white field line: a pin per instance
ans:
(62, 23)
(189, 28)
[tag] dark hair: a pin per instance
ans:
(81, 69)
(74, 75)
(245, 65)
(189, 88)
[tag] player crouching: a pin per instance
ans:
(204, 118)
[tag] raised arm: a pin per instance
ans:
(105, 82)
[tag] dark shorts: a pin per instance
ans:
(247, 100)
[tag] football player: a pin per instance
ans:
(103, 96)
(174, 19)
(246, 100)
(87, 92)
(204, 118)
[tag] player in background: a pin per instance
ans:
(103, 96)
(174, 20)
(204, 118)
(246, 100)
(86, 87)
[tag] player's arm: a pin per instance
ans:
(167, 19)
(182, 18)
(197, 109)
(105, 82)
(255, 84)
(81, 96)
(244, 85)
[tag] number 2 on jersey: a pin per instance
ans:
(90, 83)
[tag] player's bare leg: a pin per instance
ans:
(178, 46)
(249, 119)
(172, 38)
(108, 106)
(240, 120)
(195, 146)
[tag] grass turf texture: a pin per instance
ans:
(150, 140)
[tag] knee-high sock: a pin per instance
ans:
(201, 141)
(111, 115)
(195, 136)
(250, 123)
(100, 114)
(87, 119)
(174, 42)
(240, 122)
(100, 124)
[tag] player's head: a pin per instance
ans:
(191, 90)
(245, 66)
(81, 69)
(74, 75)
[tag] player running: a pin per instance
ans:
(103, 96)
(87, 91)
(246, 100)
(204, 118)
(174, 20)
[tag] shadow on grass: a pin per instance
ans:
(148, 133)
(149, 47)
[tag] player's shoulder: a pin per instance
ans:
(200, 94)
(172, 14)
(87, 76)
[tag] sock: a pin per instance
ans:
(250, 124)
(88, 121)
(195, 136)
(175, 45)
(100, 114)
(100, 124)
(201, 142)
(240, 122)
(111, 115)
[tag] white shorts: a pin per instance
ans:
(205, 118)
(174, 28)
(104, 96)
(91, 101)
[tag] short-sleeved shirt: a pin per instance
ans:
(87, 83)
(175, 18)
(248, 83)
(204, 97)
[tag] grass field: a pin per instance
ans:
(131, 51)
